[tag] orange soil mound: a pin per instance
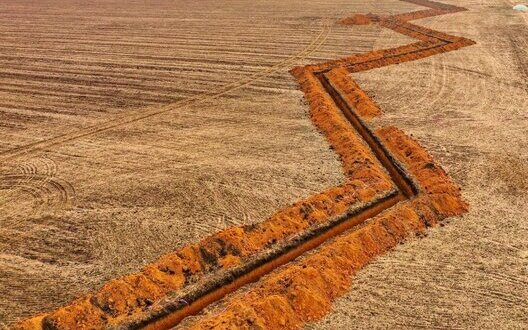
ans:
(132, 295)
(304, 291)
(358, 19)
(353, 94)
(123, 297)
(431, 42)
(432, 179)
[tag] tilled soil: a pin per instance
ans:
(469, 109)
(100, 177)
(483, 286)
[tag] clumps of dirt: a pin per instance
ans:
(131, 295)
(431, 42)
(384, 57)
(87, 316)
(303, 291)
(34, 323)
(431, 179)
(359, 19)
(351, 92)
(329, 119)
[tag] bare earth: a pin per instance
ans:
(469, 108)
(89, 209)
(96, 205)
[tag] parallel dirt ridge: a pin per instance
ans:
(393, 189)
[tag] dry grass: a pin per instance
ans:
(469, 109)
(96, 205)
(128, 194)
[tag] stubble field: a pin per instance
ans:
(130, 130)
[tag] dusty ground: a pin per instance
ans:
(99, 206)
(115, 200)
(469, 109)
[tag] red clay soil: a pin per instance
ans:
(358, 19)
(304, 290)
(353, 94)
(430, 42)
(123, 297)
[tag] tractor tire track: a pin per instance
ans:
(36, 178)
(31, 148)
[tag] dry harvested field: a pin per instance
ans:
(196, 147)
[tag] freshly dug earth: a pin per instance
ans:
(32, 170)
(304, 290)
(138, 297)
(469, 108)
(106, 201)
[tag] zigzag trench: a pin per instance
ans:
(393, 190)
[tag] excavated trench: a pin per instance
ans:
(393, 189)
(194, 302)
(397, 173)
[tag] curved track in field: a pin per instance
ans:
(37, 179)
(49, 192)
